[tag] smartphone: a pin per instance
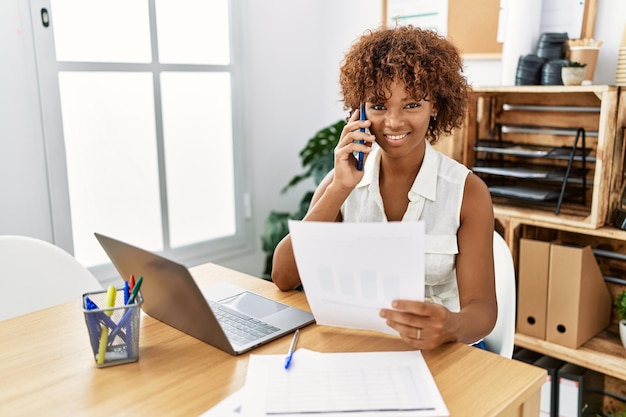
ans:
(360, 156)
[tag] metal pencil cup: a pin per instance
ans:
(115, 329)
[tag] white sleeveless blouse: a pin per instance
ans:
(435, 198)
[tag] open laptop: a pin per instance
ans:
(225, 316)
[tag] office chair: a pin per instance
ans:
(501, 340)
(35, 274)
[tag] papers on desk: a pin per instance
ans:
(228, 407)
(350, 271)
(367, 384)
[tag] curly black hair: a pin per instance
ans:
(427, 63)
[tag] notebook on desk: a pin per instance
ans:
(225, 316)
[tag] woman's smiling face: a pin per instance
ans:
(401, 122)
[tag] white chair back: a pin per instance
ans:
(501, 340)
(35, 274)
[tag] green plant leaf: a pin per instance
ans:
(317, 159)
(275, 230)
(620, 305)
(304, 206)
(295, 181)
(323, 142)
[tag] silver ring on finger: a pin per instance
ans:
(419, 334)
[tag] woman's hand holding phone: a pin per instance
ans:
(355, 141)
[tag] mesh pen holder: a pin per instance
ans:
(115, 329)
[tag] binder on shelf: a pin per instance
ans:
(580, 391)
(550, 388)
(526, 355)
(532, 302)
(579, 302)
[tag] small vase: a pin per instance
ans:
(572, 75)
(622, 332)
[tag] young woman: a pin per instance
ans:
(410, 81)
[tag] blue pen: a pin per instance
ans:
(123, 323)
(362, 116)
(292, 349)
(90, 305)
(99, 317)
(93, 323)
(127, 314)
(126, 292)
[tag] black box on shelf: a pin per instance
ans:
(580, 391)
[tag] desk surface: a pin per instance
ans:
(47, 367)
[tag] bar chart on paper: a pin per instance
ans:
(347, 288)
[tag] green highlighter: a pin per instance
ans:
(133, 295)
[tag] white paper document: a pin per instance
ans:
(367, 384)
(228, 407)
(350, 271)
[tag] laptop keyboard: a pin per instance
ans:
(239, 328)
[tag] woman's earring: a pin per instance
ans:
(435, 116)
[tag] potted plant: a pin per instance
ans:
(620, 306)
(317, 159)
(573, 73)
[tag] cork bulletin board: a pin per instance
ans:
(473, 27)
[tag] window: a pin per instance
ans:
(137, 101)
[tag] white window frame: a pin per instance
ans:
(47, 72)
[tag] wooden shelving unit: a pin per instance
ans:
(604, 353)
(592, 108)
(601, 111)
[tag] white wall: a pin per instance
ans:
(292, 56)
(293, 64)
(610, 27)
(24, 199)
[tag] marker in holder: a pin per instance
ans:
(121, 322)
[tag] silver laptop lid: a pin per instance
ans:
(171, 296)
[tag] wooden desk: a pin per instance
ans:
(47, 368)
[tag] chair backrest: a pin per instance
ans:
(501, 340)
(35, 274)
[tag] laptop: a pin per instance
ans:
(225, 316)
